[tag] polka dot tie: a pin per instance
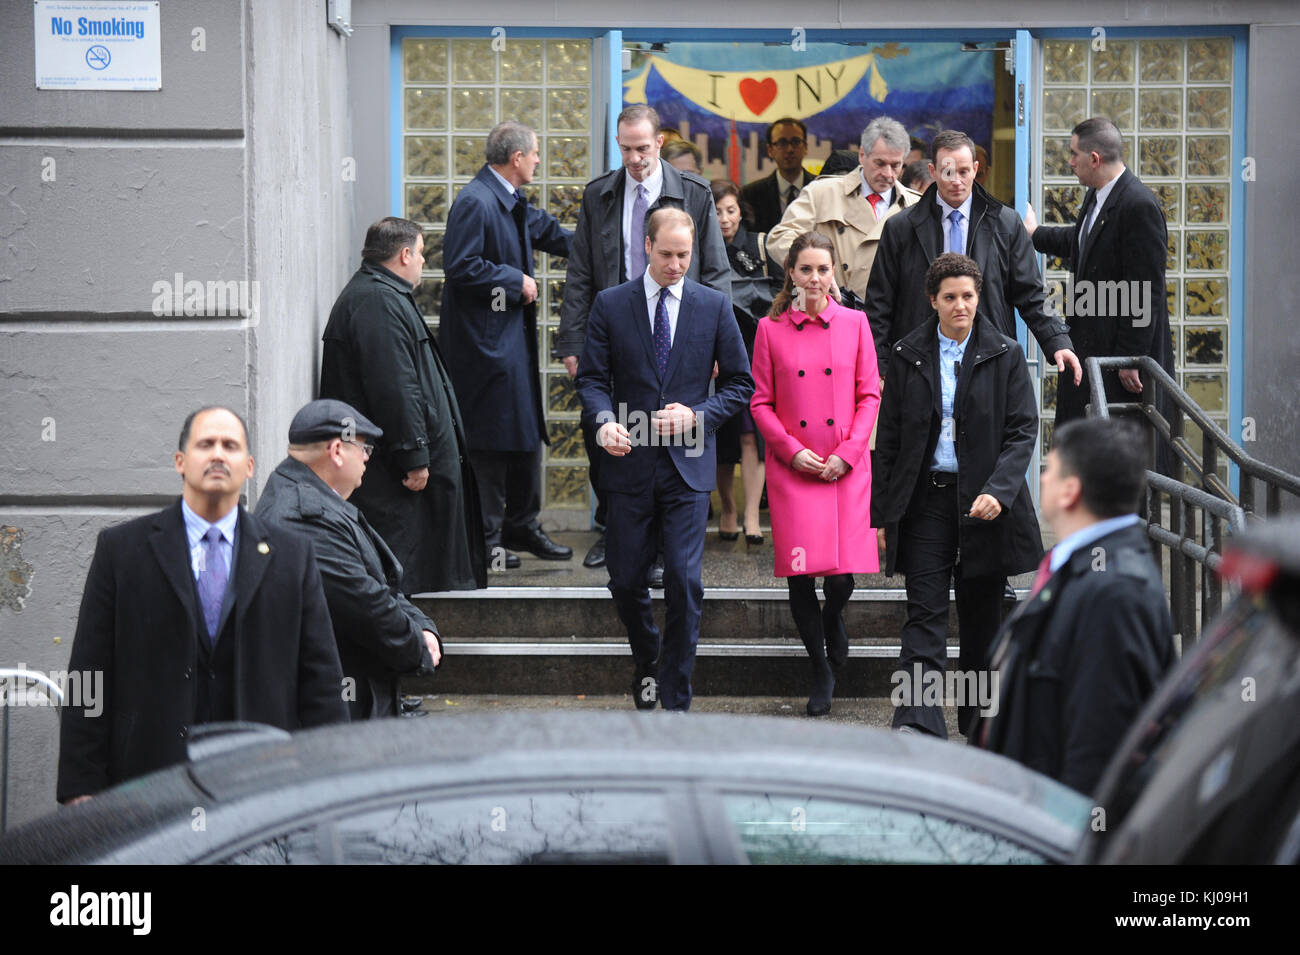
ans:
(663, 334)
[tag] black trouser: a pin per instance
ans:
(822, 623)
(509, 491)
(929, 555)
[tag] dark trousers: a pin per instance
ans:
(595, 454)
(825, 622)
(929, 555)
(509, 491)
(632, 529)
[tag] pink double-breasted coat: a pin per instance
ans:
(816, 386)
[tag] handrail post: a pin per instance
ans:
(1211, 586)
(1187, 592)
(1176, 560)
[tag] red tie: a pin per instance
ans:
(1040, 578)
(875, 201)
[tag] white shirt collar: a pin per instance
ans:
(653, 183)
(1104, 192)
(652, 287)
(505, 183)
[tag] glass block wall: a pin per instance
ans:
(1172, 101)
(454, 90)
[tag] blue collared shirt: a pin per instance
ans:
(950, 355)
(1082, 538)
(505, 183)
(196, 527)
(946, 210)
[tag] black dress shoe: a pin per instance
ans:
(645, 686)
(535, 542)
(501, 559)
(596, 556)
(655, 578)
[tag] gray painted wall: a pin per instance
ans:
(231, 172)
(1272, 346)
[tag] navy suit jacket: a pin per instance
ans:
(618, 368)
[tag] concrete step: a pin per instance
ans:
(569, 641)
(569, 614)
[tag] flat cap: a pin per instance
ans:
(327, 418)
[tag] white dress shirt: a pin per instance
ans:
(654, 185)
(1102, 195)
(673, 304)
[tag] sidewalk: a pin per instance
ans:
(867, 711)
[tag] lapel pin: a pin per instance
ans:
(263, 547)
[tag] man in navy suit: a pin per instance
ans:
(644, 381)
(488, 335)
(608, 249)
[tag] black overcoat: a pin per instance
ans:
(487, 332)
(379, 358)
(379, 632)
(1080, 660)
(995, 426)
(140, 624)
(996, 239)
(596, 257)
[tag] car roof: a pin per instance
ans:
(315, 770)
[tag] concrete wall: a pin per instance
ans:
(1272, 346)
(230, 173)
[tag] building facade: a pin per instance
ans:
(179, 247)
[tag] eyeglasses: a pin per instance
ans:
(783, 143)
(366, 447)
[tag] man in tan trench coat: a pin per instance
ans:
(851, 210)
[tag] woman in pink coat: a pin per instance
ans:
(816, 394)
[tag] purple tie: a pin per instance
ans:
(636, 234)
(212, 581)
(663, 334)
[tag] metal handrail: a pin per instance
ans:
(1214, 440)
(8, 676)
(1219, 508)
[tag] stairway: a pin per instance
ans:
(550, 628)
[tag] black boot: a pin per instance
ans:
(838, 589)
(808, 618)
